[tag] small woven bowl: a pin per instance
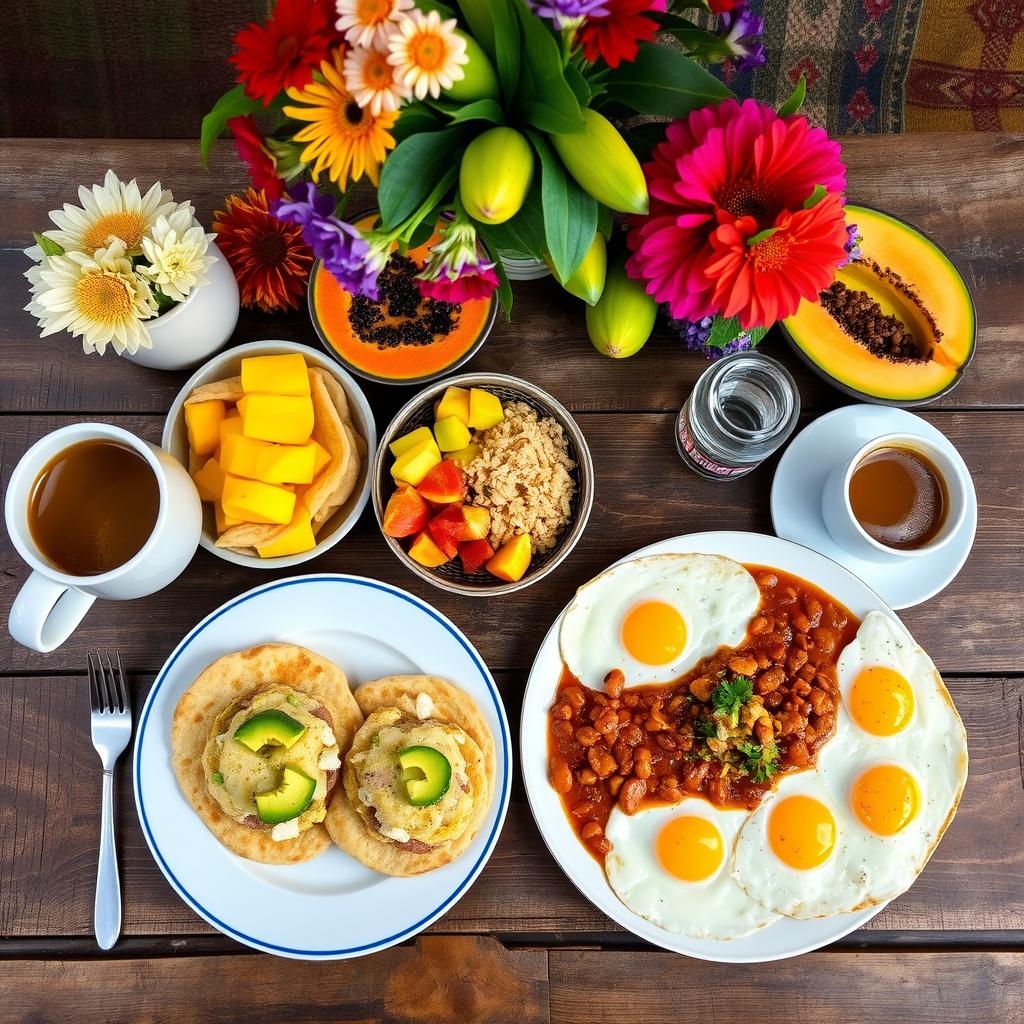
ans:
(419, 412)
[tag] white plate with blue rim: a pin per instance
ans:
(332, 907)
(785, 937)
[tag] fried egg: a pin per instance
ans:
(858, 829)
(656, 617)
(670, 865)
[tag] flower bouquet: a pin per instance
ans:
(513, 123)
(113, 265)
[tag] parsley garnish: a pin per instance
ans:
(728, 697)
(218, 779)
(706, 729)
(760, 763)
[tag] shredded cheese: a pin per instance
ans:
(285, 830)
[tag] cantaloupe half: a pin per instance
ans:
(931, 274)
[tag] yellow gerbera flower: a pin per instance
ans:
(343, 138)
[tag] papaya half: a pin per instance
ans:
(912, 280)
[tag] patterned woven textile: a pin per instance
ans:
(895, 65)
(152, 68)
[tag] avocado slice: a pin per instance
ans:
(289, 800)
(271, 728)
(426, 773)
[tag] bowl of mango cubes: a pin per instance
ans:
(278, 440)
(482, 484)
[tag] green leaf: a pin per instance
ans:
(817, 194)
(664, 81)
(546, 99)
(796, 98)
(425, 228)
(48, 245)
(413, 169)
(163, 302)
(480, 19)
(604, 221)
(570, 214)
(426, 6)
(723, 330)
(234, 103)
(523, 234)
(692, 36)
(579, 85)
(486, 232)
(642, 138)
(479, 110)
(761, 236)
(415, 118)
(505, 47)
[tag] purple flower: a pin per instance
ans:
(565, 12)
(695, 334)
(344, 251)
(852, 246)
(738, 29)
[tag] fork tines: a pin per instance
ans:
(108, 690)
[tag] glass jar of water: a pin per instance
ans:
(740, 411)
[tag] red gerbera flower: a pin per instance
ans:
(270, 260)
(722, 176)
(723, 6)
(286, 50)
(256, 157)
(616, 37)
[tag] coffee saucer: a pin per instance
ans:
(800, 480)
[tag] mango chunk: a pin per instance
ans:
(287, 463)
(320, 458)
(451, 433)
(276, 375)
(511, 560)
(231, 424)
(454, 402)
(298, 537)
(286, 419)
(414, 439)
(464, 456)
(253, 501)
(202, 421)
(426, 552)
(485, 409)
(240, 455)
(223, 521)
(209, 480)
(412, 466)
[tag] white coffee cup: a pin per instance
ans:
(51, 603)
(846, 529)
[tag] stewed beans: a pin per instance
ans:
(658, 744)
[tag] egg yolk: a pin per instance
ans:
(802, 832)
(690, 848)
(654, 633)
(886, 799)
(881, 701)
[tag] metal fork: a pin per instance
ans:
(111, 730)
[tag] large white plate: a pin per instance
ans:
(332, 907)
(787, 937)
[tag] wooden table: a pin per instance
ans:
(522, 944)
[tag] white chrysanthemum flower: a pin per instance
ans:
(98, 298)
(373, 82)
(112, 210)
(427, 53)
(370, 22)
(176, 249)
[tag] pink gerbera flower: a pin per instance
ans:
(725, 175)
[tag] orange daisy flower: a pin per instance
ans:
(269, 258)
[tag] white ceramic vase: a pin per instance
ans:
(195, 329)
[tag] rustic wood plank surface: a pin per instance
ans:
(48, 836)
(953, 946)
(965, 191)
(628, 512)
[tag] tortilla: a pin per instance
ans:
(229, 390)
(351, 832)
(237, 677)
